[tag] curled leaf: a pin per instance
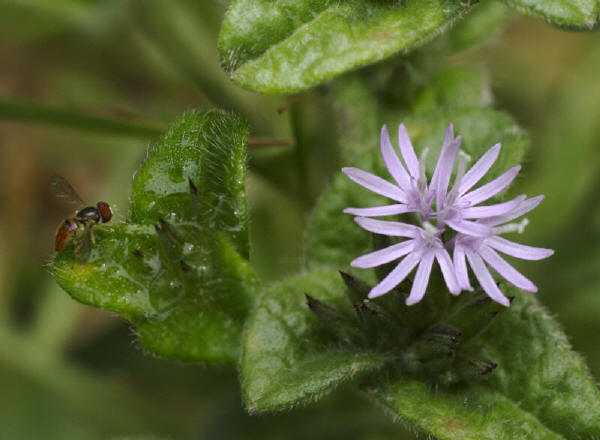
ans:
(177, 269)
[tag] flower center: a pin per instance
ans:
(449, 207)
(430, 236)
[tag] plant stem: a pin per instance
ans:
(26, 111)
(300, 153)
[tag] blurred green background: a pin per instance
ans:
(85, 87)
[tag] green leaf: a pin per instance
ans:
(485, 18)
(287, 46)
(540, 389)
(360, 112)
(485, 416)
(570, 14)
(285, 358)
(333, 238)
(454, 89)
(177, 270)
(209, 149)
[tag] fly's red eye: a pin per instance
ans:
(104, 210)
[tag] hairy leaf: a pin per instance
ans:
(177, 270)
(573, 14)
(486, 415)
(286, 359)
(208, 149)
(288, 46)
(540, 389)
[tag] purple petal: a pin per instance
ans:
(377, 211)
(392, 162)
(485, 279)
(375, 184)
(522, 209)
(508, 272)
(518, 250)
(470, 228)
(421, 279)
(478, 170)
(396, 229)
(448, 271)
(461, 268)
(408, 152)
(492, 188)
(445, 164)
(384, 256)
(492, 210)
(396, 276)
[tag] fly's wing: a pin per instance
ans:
(63, 190)
(82, 243)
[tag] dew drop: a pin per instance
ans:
(187, 248)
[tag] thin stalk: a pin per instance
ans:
(288, 104)
(300, 153)
(21, 110)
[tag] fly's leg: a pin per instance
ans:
(97, 227)
(84, 239)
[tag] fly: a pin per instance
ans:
(78, 226)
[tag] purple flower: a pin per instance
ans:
(481, 250)
(477, 227)
(423, 247)
(410, 189)
(457, 208)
